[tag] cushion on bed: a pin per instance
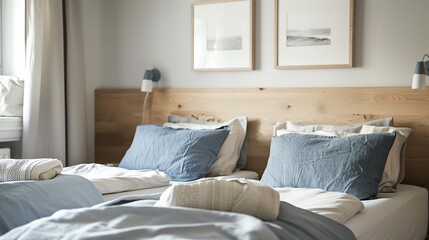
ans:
(242, 160)
(394, 170)
(353, 165)
(234, 195)
(183, 154)
(332, 130)
(306, 127)
(232, 148)
(180, 119)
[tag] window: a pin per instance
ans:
(12, 38)
(0, 37)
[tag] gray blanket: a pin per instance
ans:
(140, 220)
(24, 201)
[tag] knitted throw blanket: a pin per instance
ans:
(29, 169)
(250, 197)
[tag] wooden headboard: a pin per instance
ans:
(119, 111)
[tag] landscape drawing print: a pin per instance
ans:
(225, 44)
(315, 32)
(308, 37)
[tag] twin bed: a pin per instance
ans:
(399, 214)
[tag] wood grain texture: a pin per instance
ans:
(118, 112)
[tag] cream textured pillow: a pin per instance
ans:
(230, 151)
(11, 96)
(320, 133)
(394, 171)
(234, 195)
(308, 128)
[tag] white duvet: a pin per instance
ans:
(337, 206)
(114, 179)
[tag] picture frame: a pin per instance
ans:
(222, 35)
(314, 34)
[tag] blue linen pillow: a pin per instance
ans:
(353, 164)
(242, 160)
(183, 154)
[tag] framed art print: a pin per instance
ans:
(222, 35)
(313, 33)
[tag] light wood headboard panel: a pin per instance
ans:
(117, 113)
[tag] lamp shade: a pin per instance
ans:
(427, 68)
(150, 76)
(419, 77)
(147, 81)
(146, 85)
(147, 75)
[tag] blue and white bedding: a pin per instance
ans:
(137, 218)
(140, 220)
(24, 201)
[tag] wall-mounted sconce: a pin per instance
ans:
(421, 74)
(150, 76)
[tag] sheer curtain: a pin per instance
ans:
(54, 101)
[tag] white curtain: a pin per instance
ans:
(76, 91)
(54, 108)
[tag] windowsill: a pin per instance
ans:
(10, 129)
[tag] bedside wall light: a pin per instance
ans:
(421, 74)
(150, 76)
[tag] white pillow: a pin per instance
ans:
(11, 96)
(308, 128)
(321, 133)
(230, 150)
(394, 170)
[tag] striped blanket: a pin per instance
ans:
(29, 169)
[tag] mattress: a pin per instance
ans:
(400, 215)
(158, 191)
(10, 129)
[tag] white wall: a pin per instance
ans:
(390, 37)
(125, 37)
(13, 37)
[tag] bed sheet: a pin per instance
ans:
(10, 129)
(400, 215)
(140, 220)
(159, 190)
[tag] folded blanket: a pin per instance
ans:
(29, 169)
(115, 179)
(235, 195)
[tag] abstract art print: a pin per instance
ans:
(314, 34)
(222, 35)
